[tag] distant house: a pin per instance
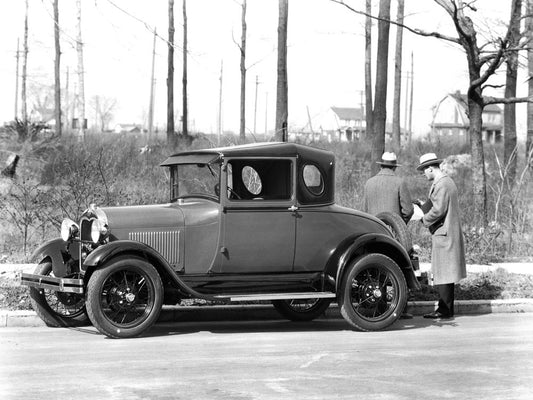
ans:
(450, 120)
(351, 123)
(127, 128)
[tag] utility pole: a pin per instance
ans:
(17, 83)
(255, 107)
(220, 103)
(152, 85)
(185, 130)
(266, 114)
(81, 87)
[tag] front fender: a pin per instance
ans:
(130, 247)
(377, 243)
(59, 252)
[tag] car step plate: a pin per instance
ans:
(277, 296)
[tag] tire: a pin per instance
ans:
(57, 309)
(301, 309)
(124, 297)
(373, 293)
(398, 228)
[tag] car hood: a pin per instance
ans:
(161, 216)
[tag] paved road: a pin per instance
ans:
(472, 357)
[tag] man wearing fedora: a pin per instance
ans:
(441, 217)
(386, 191)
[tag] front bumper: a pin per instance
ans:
(66, 285)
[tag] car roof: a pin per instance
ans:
(266, 149)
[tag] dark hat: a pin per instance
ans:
(388, 159)
(428, 159)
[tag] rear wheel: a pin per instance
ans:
(398, 228)
(57, 309)
(301, 309)
(373, 293)
(124, 297)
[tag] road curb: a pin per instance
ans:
(267, 312)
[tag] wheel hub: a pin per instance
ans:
(130, 297)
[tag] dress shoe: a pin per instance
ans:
(437, 315)
(406, 315)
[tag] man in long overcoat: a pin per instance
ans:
(443, 220)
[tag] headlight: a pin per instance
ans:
(69, 229)
(98, 230)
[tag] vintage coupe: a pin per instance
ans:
(244, 223)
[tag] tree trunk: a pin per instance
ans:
(509, 110)
(81, 79)
(170, 76)
(368, 72)
(184, 81)
(282, 85)
(57, 70)
(25, 71)
(380, 101)
(475, 110)
(396, 128)
(529, 33)
(242, 132)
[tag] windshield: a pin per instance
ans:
(195, 180)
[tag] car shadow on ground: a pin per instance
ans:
(266, 326)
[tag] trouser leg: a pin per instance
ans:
(446, 298)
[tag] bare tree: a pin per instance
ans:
(170, 74)
(57, 69)
(368, 70)
(25, 69)
(81, 78)
(282, 98)
(509, 110)
(380, 101)
(396, 128)
(242, 49)
(529, 41)
(103, 108)
(482, 61)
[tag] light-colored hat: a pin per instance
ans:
(388, 159)
(428, 159)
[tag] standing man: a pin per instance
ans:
(447, 246)
(388, 192)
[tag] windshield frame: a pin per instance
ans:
(177, 181)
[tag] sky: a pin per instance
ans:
(325, 58)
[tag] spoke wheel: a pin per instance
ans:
(301, 309)
(374, 293)
(124, 298)
(57, 309)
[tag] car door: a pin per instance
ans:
(258, 223)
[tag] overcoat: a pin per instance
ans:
(447, 254)
(387, 191)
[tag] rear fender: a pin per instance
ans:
(377, 243)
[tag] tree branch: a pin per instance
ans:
(412, 30)
(502, 100)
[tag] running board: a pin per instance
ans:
(276, 296)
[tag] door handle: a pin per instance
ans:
(292, 208)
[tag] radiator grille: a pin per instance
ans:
(166, 243)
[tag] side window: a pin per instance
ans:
(313, 180)
(260, 179)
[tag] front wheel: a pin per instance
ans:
(57, 309)
(373, 293)
(301, 309)
(124, 297)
